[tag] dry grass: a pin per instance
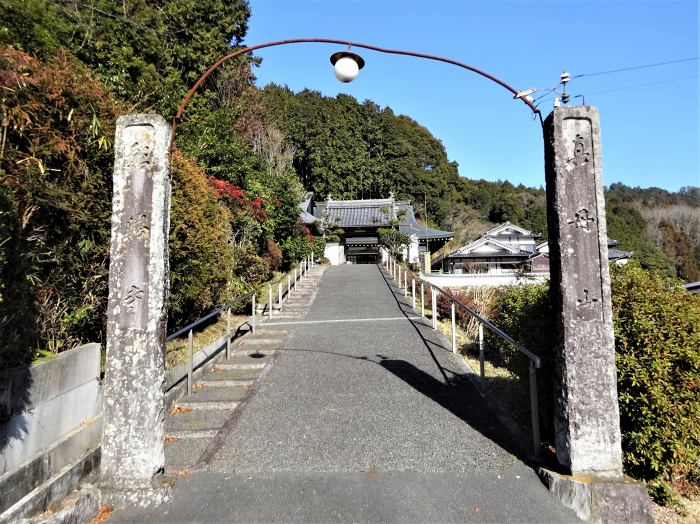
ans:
(506, 388)
(176, 350)
(686, 512)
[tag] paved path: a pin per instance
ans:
(364, 417)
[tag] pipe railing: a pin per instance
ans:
(399, 274)
(190, 327)
(300, 271)
(276, 287)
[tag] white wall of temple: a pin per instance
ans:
(413, 250)
(335, 253)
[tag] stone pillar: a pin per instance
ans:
(587, 421)
(134, 408)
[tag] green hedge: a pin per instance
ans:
(657, 339)
(657, 342)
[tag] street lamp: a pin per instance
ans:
(346, 65)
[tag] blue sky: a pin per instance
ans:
(649, 132)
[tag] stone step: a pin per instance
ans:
(268, 341)
(183, 453)
(196, 419)
(226, 383)
(219, 394)
(263, 352)
(262, 333)
(208, 406)
(227, 365)
(195, 433)
(244, 360)
(218, 373)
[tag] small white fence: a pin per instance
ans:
(483, 279)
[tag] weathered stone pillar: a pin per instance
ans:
(587, 421)
(134, 409)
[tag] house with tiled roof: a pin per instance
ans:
(506, 250)
(503, 248)
(360, 221)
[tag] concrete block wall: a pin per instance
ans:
(51, 420)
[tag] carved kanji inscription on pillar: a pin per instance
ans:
(587, 421)
(582, 220)
(132, 444)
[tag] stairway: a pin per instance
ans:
(193, 424)
(196, 425)
(299, 301)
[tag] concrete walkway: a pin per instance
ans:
(364, 417)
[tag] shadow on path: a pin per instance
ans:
(458, 394)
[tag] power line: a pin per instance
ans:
(642, 85)
(636, 67)
(629, 87)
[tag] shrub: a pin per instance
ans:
(657, 344)
(201, 257)
(525, 313)
(657, 338)
(298, 248)
(394, 241)
(55, 197)
(249, 269)
(272, 254)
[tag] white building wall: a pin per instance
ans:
(335, 253)
(413, 250)
(482, 279)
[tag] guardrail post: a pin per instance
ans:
(269, 299)
(228, 332)
(454, 330)
(422, 300)
(534, 411)
(295, 279)
(481, 352)
(289, 284)
(434, 306)
(255, 313)
(279, 293)
(190, 345)
(413, 291)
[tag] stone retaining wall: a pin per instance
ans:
(51, 421)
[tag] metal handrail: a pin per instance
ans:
(208, 316)
(290, 272)
(535, 362)
(495, 329)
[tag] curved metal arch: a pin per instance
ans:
(250, 49)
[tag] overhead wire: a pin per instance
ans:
(636, 67)
(631, 87)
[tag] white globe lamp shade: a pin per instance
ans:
(346, 66)
(346, 69)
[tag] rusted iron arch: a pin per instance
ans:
(250, 49)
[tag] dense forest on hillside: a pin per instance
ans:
(245, 157)
(359, 150)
